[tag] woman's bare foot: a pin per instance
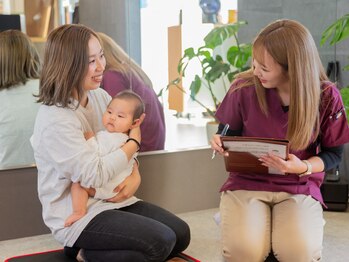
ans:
(80, 257)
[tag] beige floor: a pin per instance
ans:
(205, 238)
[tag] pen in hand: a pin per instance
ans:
(224, 132)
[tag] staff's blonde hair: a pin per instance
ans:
(19, 60)
(292, 46)
(117, 60)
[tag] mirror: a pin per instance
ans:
(145, 39)
(157, 16)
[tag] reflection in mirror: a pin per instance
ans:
(20, 70)
(123, 73)
(122, 54)
(20, 55)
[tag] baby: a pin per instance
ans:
(122, 114)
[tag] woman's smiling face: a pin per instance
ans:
(96, 65)
(269, 72)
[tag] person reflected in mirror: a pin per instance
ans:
(122, 228)
(285, 95)
(123, 114)
(19, 81)
(123, 73)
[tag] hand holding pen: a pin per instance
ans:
(224, 132)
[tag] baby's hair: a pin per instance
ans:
(130, 95)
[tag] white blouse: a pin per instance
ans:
(17, 117)
(63, 155)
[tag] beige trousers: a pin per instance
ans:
(255, 222)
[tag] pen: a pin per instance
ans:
(224, 132)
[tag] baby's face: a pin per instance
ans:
(119, 116)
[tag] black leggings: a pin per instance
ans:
(140, 232)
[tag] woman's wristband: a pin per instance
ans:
(134, 140)
(309, 168)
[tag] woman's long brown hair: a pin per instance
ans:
(292, 46)
(19, 60)
(65, 65)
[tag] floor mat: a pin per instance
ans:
(52, 256)
(58, 256)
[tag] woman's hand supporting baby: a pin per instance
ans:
(128, 187)
(89, 134)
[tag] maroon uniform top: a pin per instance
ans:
(240, 109)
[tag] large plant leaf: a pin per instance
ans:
(337, 31)
(195, 86)
(232, 74)
(189, 53)
(238, 56)
(204, 53)
(215, 68)
(218, 34)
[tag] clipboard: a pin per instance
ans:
(244, 153)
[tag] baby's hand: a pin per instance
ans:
(88, 135)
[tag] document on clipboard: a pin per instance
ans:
(245, 151)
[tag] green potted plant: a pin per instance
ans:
(337, 32)
(214, 69)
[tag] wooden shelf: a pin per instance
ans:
(40, 17)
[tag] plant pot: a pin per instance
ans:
(211, 129)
